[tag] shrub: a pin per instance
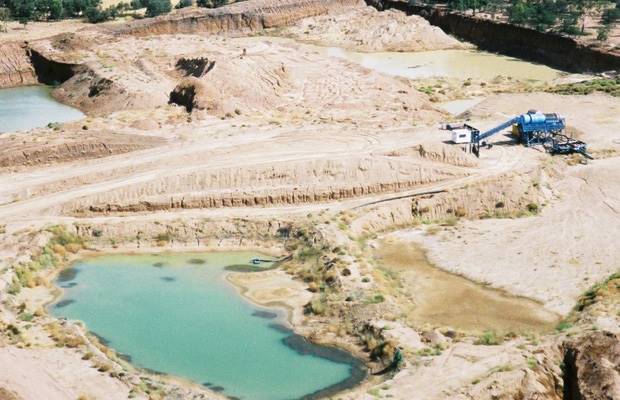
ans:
(533, 208)
(318, 306)
(488, 338)
(377, 298)
(164, 237)
(562, 326)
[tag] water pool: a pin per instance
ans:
(28, 107)
(177, 314)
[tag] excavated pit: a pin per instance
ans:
(184, 95)
(195, 67)
(50, 72)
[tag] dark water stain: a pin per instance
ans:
(217, 388)
(280, 328)
(242, 268)
(168, 278)
(67, 275)
(154, 371)
(197, 261)
(248, 268)
(159, 264)
(264, 314)
(101, 339)
(233, 398)
(125, 357)
(64, 303)
(358, 371)
(207, 384)
(68, 285)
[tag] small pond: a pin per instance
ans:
(177, 314)
(28, 107)
(461, 64)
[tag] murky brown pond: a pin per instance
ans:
(448, 63)
(431, 295)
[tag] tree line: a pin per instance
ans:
(25, 11)
(565, 16)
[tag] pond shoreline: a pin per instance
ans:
(296, 339)
(23, 108)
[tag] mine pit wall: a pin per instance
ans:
(516, 41)
(227, 233)
(506, 197)
(15, 66)
(21, 65)
(48, 71)
(242, 16)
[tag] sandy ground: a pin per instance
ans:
(560, 253)
(59, 374)
(368, 30)
(38, 30)
(274, 289)
(282, 131)
(448, 301)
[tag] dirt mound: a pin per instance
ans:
(306, 181)
(15, 67)
(438, 152)
(227, 77)
(366, 29)
(248, 15)
(52, 149)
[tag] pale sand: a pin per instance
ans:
(56, 374)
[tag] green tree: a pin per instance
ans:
(55, 10)
(211, 3)
(157, 7)
(5, 14)
(23, 10)
(519, 12)
(77, 8)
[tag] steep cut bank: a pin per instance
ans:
(15, 66)
(552, 49)
(22, 64)
(250, 15)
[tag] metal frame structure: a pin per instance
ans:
(534, 128)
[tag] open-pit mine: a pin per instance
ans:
(305, 199)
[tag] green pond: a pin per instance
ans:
(30, 107)
(177, 314)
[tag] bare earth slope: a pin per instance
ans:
(15, 68)
(366, 29)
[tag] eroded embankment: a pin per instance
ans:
(93, 144)
(552, 49)
(277, 184)
(15, 66)
(248, 15)
(21, 65)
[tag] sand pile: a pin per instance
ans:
(366, 29)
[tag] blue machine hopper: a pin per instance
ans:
(532, 128)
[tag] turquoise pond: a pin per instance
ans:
(177, 314)
(30, 107)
